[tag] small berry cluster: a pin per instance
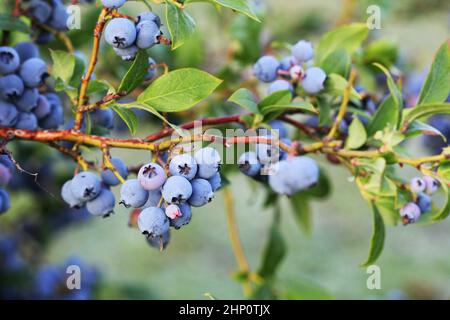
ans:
(289, 72)
(422, 188)
(51, 13)
(6, 173)
(24, 104)
(285, 174)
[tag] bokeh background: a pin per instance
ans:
(323, 264)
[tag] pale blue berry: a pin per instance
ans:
(154, 198)
(201, 193)
(432, 185)
(160, 243)
(208, 160)
(120, 33)
(280, 85)
(424, 202)
(177, 189)
(33, 72)
(103, 204)
(132, 194)
(287, 63)
(215, 182)
(128, 53)
(109, 177)
(183, 165)
(68, 197)
(148, 34)
(249, 164)
(417, 185)
(266, 68)
(26, 50)
(85, 186)
(153, 222)
(303, 51)
(313, 80)
(11, 87)
(150, 16)
(113, 4)
(151, 73)
(9, 60)
(151, 176)
(410, 213)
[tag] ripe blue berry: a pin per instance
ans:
(85, 186)
(5, 203)
(33, 72)
(266, 68)
(5, 175)
(26, 121)
(55, 117)
(28, 101)
(148, 34)
(9, 60)
(26, 50)
(58, 19)
(177, 189)
(8, 114)
(11, 87)
(215, 182)
(432, 185)
(283, 154)
(103, 118)
(410, 213)
(154, 197)
(287, 63)
(151, 73)
(249, 164)
(7, 162)
(280, 85)
(201, 193)
(120, 33)
(267, 153)
(128, 53)
(150, 16)
(417, 185)
(151, 176)
(68, 197)
(43, 108)
(173, 211)
(424, 202)
(280, 127)
(184, 219)
(108, 176)
(103, 204)
(208, 160)
(44, 37)
(132, 194)
(153, 222)
(303, 51)
(313, 80)
(183, 165)
(113, 3)
(40, 10)
(160, 243)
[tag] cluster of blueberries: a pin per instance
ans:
(285, 174)
(52, 13)
(23, 102)
(289, 72)
(165, 197)
(422, 188)
(6, 173)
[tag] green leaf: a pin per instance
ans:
(299, 289)
(10, 23)
(386, 116)
(274, 251)
(418, 127)
(128, 116)
(63, 64)
(357, 135)
(136, 74)
(324, 112)
(241, 6)
(322, 189)
(179, 90)
(97, 86)
(337, 62)
(424, 110)
(295, 105)
(378, 234)
(445, 211)
(180, 24)
(437, 85)
(335, 85)
(384, 52)
(444, 171)
(78, 72)
(388, 210)
(244, 98)
(302, 211)
(283, 97)
(348, 37)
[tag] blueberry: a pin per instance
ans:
(120, 33)
(5, 175)
(177, 189)
(103, 204)
(293, 175)
(150, 16)
(103, 118)
(280, 85)
(9, 60)
(85, 186)
(7, 162)
(33, 72)
(5, 203)
(8, 114)
(303, 51)
(151, 73)
(40, 10)
(132, 194)
(280, 127)
(173, 211)
(287, 63)
(161, 242)
(208, 160)
(184, 219)
(128, 53)
(410, 213)
(28, 101)
(435, 143)
(432, 185)
(43, 107)
(11, 87)
(215, 182)
(183, 165)
(113, 3)
(283, 154)
(201, 193)
(153, 222)
(44, 37)
(108, 176)
(266, 68)
(55, 117)
(26, 50)
(249, 164)
(151, 176)
(267, 153)
(26, 121)
(313, 80)
(148, 34)
(68, 197)
(417, 185)
(424, 202)
(154, 198)
(59, 17)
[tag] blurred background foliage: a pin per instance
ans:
(39, 233)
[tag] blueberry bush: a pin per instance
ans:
(343, 99)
